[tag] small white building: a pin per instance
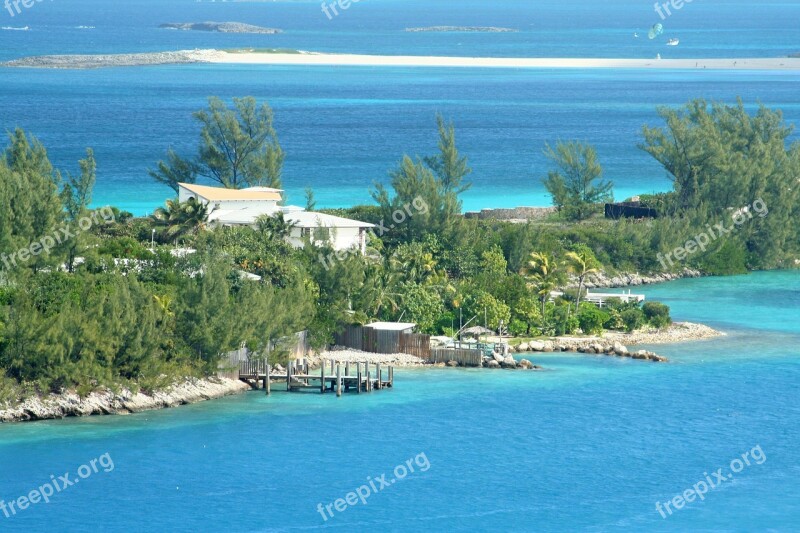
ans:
(241, 207)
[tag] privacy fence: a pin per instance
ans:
(379, 341)
(297, 346)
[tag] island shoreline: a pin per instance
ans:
(303, 58)
(70, 404)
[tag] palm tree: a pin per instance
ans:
(545, 274)
(582, 262)
(179, 219)
(275, 226)
(382, 289)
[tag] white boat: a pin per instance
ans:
(673, 42)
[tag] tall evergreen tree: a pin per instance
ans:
(576, 184)
(239, 148)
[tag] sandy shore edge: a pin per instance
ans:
(778, 63)
(361, 60)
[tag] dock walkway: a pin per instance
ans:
(335, 377)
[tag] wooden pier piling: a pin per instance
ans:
(338, 380)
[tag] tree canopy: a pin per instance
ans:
(238, 148)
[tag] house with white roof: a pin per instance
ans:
(241, 207)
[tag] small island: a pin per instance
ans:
(90, 61)
(220, 27)
(470, 29)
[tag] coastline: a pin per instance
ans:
(69, 404)
(303, 58)
(362, 60)
(676, 333)
(602, 280)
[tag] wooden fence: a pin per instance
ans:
(230, 364)
(379, 341)
(463, 356)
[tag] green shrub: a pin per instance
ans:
(517, 327)
(563, 321)
(633, 319)
(591, 319)
(727, 260)
(614, 320)
(657, 314)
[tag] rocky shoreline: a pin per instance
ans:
(56, 406)
(590, 346)
(617, 343)
(676, 332)
(68, 404)
(607, 281)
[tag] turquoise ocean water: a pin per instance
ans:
(590, 445)
(345, 128)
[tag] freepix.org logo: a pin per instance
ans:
(14, 7)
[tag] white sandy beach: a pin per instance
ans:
(354, 60)
(308, 58)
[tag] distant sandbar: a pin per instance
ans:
(465, 29)
(507, 62)
(247, 57)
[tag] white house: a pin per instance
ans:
(241, 207)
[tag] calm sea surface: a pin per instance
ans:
(345, 128)
(590, 445)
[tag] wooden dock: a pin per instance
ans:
(334, 377)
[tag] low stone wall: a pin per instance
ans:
(513, 214)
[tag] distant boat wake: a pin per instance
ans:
(12, 28)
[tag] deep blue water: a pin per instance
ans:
(590, 445)
(345, 128)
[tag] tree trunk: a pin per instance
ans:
(578, 296)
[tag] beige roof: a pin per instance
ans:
(219, 194)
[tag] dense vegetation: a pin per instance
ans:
(85, 302)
